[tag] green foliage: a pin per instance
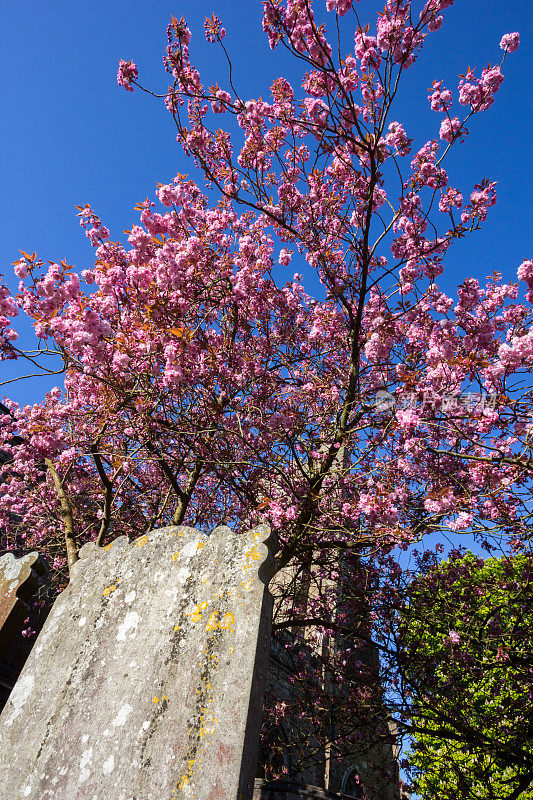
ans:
(468, 649)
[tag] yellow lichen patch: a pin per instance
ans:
(108, 546)
(253, 554)
(176, 627)
(175, 556)
(231, 650)
(196, 613)
(140, 542)
(228, 621)
(212, 622)
(208, 730)
(111, 588)
(155, 699)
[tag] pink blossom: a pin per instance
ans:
(440, 98)
(450, 129)
(214, 32)
(340, 6)
(452, 198)
(510, 42)
(435, 23)
(127, 72)
(284, 258)
(525, 273)
(397, 139)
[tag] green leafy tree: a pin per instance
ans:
(468, 643)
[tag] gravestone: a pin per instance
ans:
(146, 681)
(21, 581)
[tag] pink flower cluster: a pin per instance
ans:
(401, 39)
(510, 42)
(440, 97)
(452, 198)
(127, 72)
(451, 129)
(340, 6)
(397, 139)
(214, 32)
(479, 93)
(525, 273)
(482, 198)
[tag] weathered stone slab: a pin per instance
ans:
(20, 580)
(146, 681)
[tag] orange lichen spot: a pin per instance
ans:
(201, 545)
(231, 650)
(175, 556)
(140, 542)
(196, 614)
(253, 554)
(108, 590)
(164, 697)
(212, 622)
(108, 546)
(155, 699)
(228, 621)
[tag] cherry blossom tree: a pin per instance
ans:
(201, 388)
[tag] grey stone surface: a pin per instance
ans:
(22, 580)
(146, 681)
(18, 580)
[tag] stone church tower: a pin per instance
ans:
(304, 755)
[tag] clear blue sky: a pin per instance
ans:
(70, 135)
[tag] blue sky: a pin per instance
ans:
(70, 135)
